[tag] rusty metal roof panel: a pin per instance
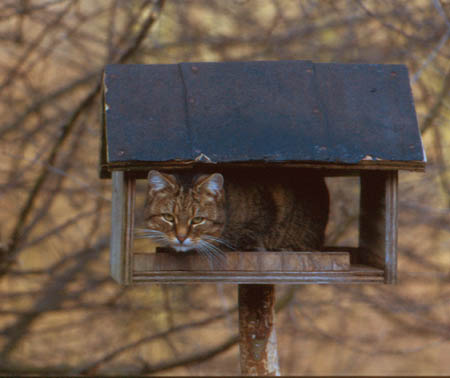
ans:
(276, 111)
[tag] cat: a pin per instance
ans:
(237, 209)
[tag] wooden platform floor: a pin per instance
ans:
(252, 267)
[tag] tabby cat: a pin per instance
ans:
(239, 209)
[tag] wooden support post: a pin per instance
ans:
(122, 225)
(378, 221)
(258, 342)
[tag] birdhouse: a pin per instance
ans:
(336, 119)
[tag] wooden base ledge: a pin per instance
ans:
(357, 274)
(243, 261)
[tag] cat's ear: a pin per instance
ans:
(158, 181)
(213, 184)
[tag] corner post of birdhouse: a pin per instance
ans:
(122, 226)
(258, 342)
(378, 221)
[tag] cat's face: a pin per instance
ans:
(185, 217)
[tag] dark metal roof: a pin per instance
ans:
(277, 111)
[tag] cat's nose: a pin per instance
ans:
(181, 234)
(181, 238)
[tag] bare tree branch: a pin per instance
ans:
(7, 256)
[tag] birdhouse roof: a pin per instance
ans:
(357, 116)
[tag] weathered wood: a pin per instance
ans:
(328, 169)
(378, 222)
(103, 170)
(348, 119)
(391, 227)
(244, 261)
(122, 225)
(257, 341)
(118, 209)
(345, 113)
(356, 274)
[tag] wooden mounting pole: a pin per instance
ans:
(258, 341)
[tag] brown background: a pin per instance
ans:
(61, 313)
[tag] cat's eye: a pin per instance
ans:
(197, 220)
(168, 217)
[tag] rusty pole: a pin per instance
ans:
(258, 342)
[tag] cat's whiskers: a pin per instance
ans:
(159, 241)
(213, 251)
(211, 255)
(219, 240)
(217, 250)
(205, 255)
(146, 233)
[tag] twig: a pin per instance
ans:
(431, 56)
(36, 106)
(434, 112)
(190, 359)
(92, 367)
(11, 75)
(53, 294)
(441, 166)
(7, 255)
(193, 358)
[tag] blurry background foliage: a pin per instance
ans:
(59, 310)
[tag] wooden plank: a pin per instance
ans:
(328, 169)
(122, 225)
(116, 257)
(378, 222)
(244, 261)
(357, 274)
(391, 227)
(129, 224)
(103, 170)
